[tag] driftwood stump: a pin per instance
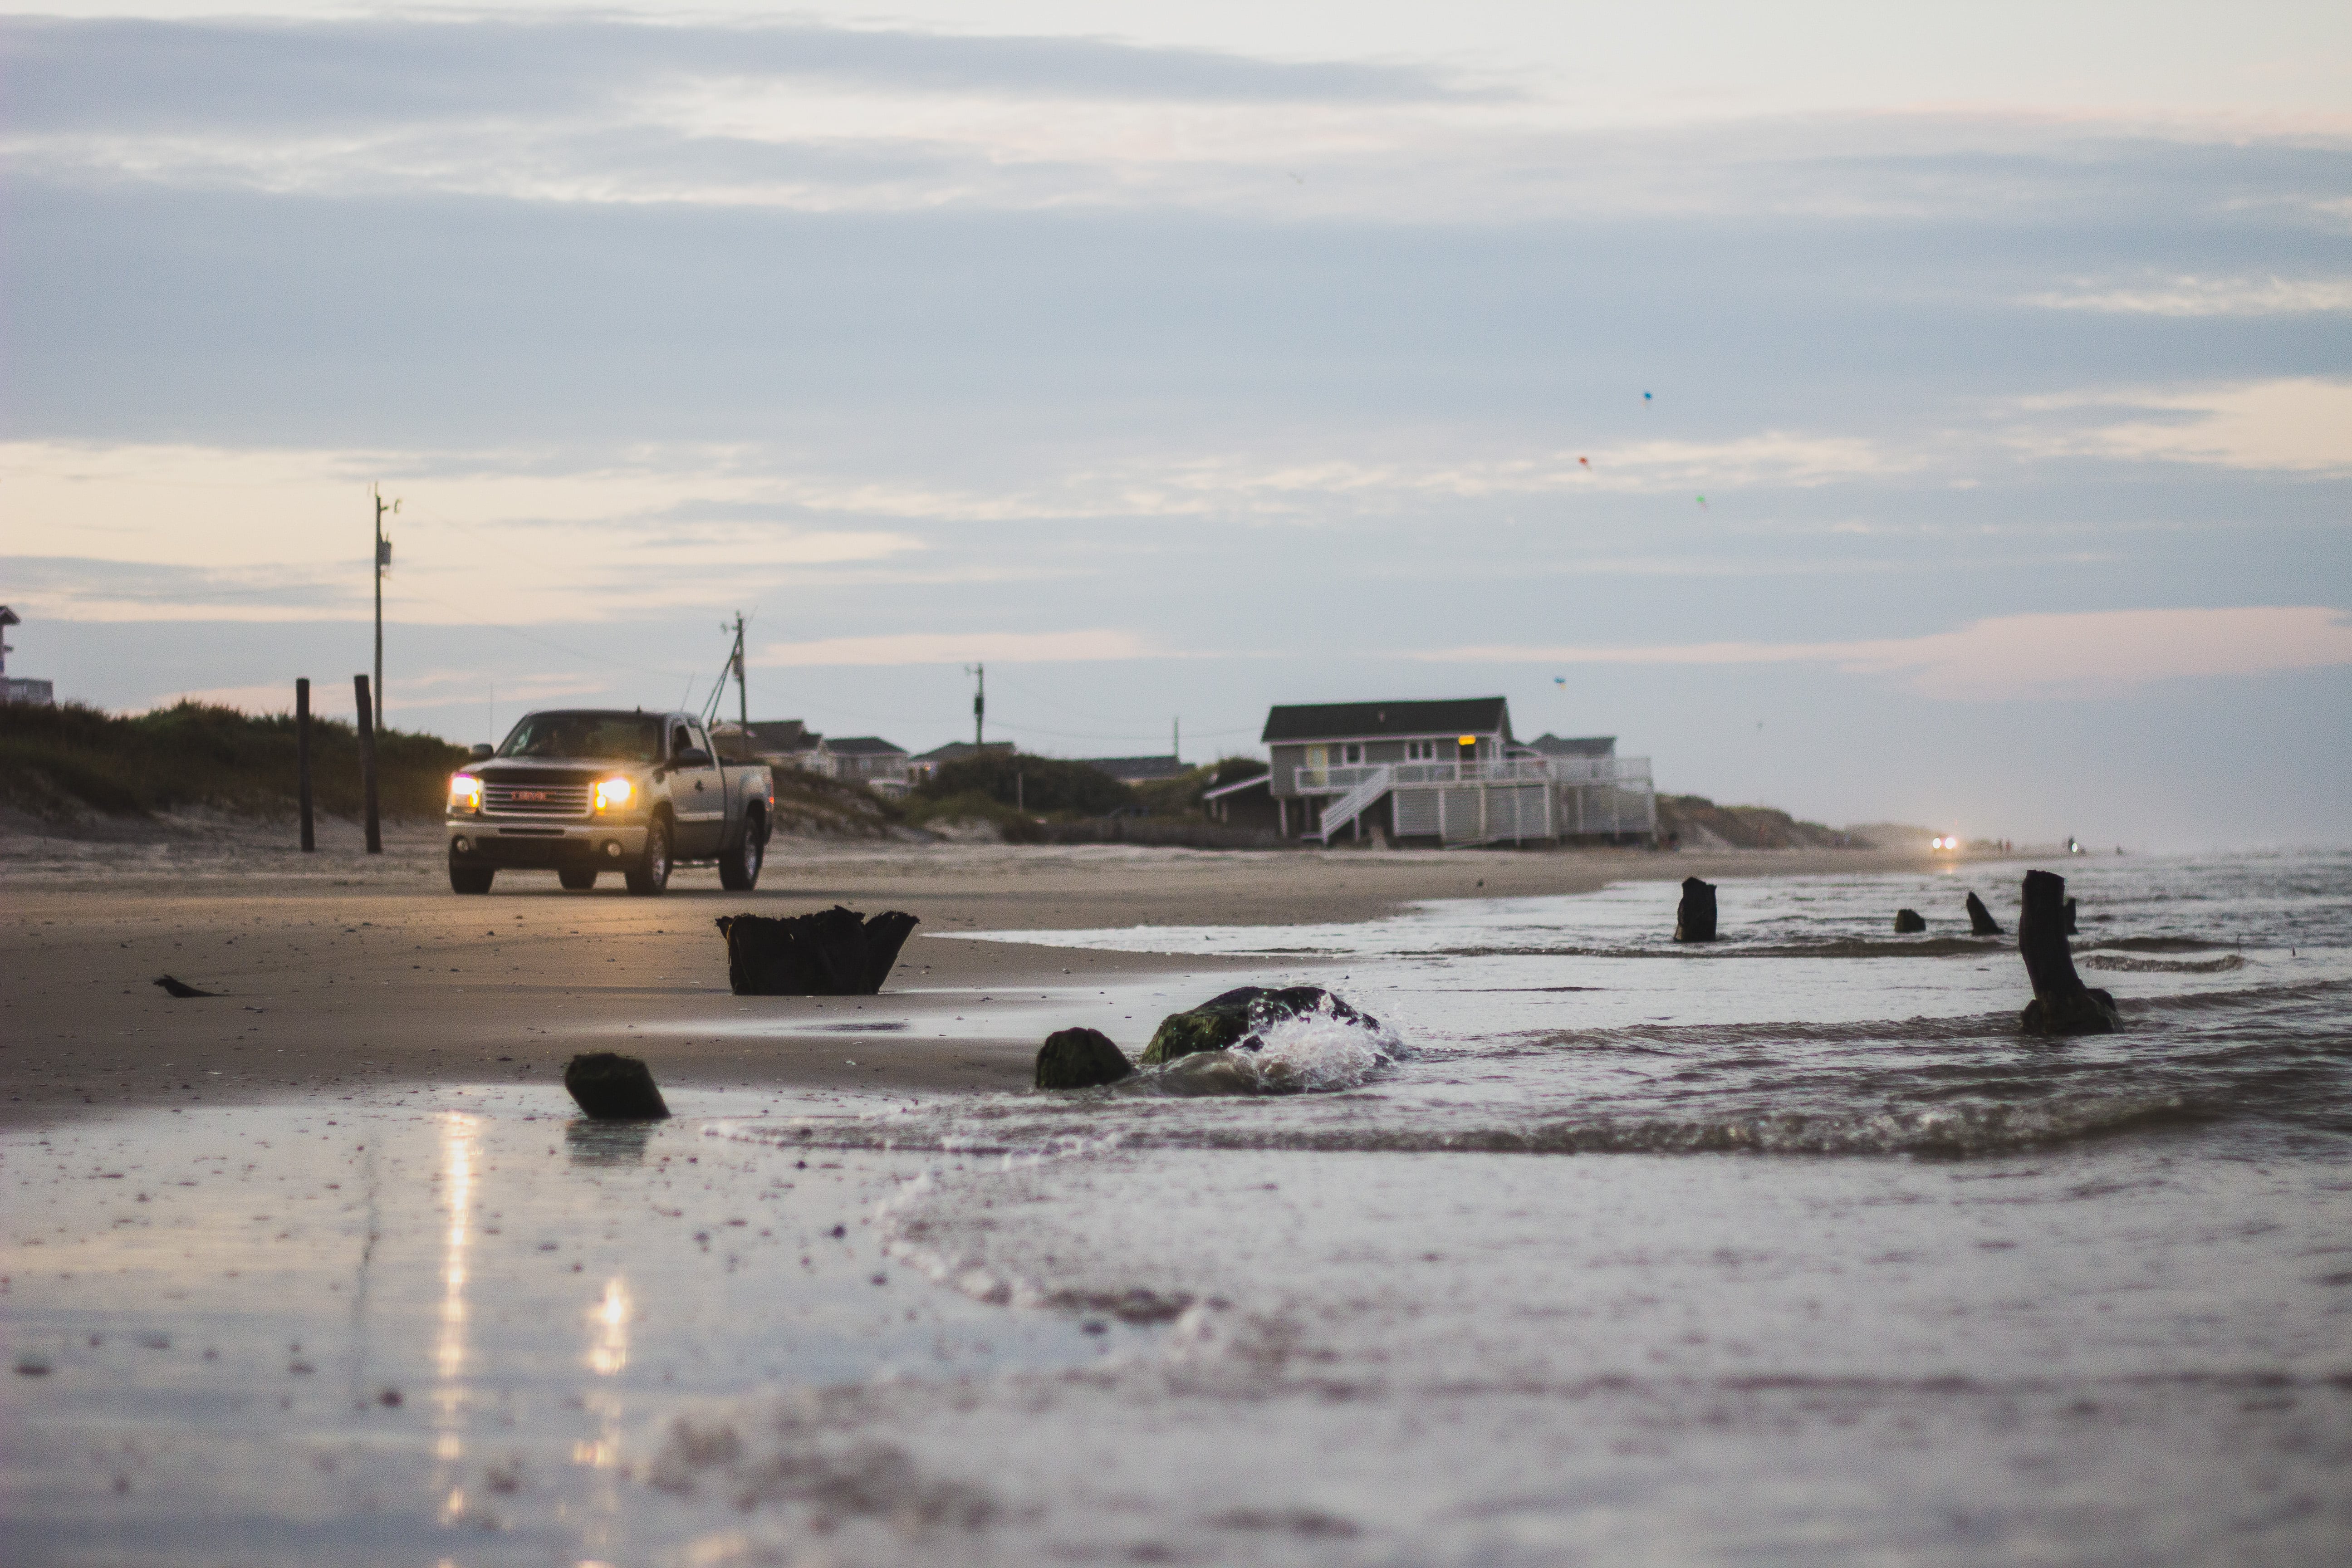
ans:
(1980, 920)
(1080, 1058)
(2062, 1003)
(613, 1088)
(1909, 923)
(1695, 916)
(838, 953)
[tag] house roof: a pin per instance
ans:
(864, 746)
(1137, 770)
(957, 751)
(1358, 721)
(1551, 745)
(784, 735)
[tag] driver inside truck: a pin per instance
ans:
(681, 739)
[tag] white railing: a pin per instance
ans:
(1517, 769)
(1349, 806)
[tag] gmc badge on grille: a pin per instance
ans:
(531, 795)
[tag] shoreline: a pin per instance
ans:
(341, 969)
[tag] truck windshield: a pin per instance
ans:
(605, 737)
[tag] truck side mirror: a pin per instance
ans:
(692, 757)
(481, 751)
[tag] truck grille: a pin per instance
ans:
(534, 800)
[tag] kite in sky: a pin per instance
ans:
(1645, 397)
(1586, 461)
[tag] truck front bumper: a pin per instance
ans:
(488, 841)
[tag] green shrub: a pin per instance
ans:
(1039, 785)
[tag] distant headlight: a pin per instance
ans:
(464, 792)
(611, 794)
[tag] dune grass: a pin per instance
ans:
(70, 760)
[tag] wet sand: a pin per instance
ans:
(341, 969)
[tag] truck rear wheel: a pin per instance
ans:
(470, 878)
(578, 879)
(650, 875)
(739, 868)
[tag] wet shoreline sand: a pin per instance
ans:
(341, 971)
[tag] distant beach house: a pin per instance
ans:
(1138, 770)
(12, 689)
(779, 743)
(871, 761)
(920, 768)
(1441, 772)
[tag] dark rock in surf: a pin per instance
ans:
(1235, 1021)
(1695, 916)
(609, 1086)
(1980, 920)
(837, 953)
(2062, 1003)
(1080, 1058)
(180, 988)
(1909, 923)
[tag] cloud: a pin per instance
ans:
(950, 648)
(2190, 295)
(2091, 653)
(2293, 425)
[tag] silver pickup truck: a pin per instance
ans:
(581, 790)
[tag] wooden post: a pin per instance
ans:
(1980, 920)
(2062, 1003)
(302, 761)
(367, 764)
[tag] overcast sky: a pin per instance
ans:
(1930, 414)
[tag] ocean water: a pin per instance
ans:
(1592, 1249)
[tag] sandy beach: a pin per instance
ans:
(1592, 1249)
(339, 968)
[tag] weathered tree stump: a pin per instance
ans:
(1980, 920)
(835, 953)
(1909, 923)
(1695, 916)
(2069, 917)
(609, 1086)
(2062, 1003)
(1234, 1020)
(1080, 1058)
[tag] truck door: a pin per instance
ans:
(698, 801)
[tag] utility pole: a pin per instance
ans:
(1176, 740)
(383, 565)
(743, 698)
(979, 672)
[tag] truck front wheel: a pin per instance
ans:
(738, 869)
(577, 878)
(650, 875)
(470, 878)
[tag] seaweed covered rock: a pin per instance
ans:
(2062, 1003)
(1695, 916)
(1234, 1021)
(609, 1086)
(1080, 1058)
(837, 953)
(1980, 920)
(1909, 923)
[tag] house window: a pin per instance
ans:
(1421, 751)
(1351, 753)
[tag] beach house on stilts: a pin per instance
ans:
(1445, 773)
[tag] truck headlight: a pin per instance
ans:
(464, 792)
(613, 794)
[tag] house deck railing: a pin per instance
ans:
(1519, 770)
